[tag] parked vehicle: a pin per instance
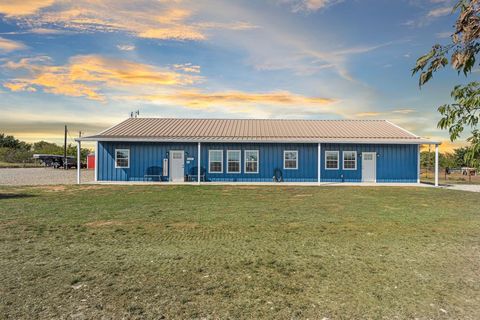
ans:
(57, 161)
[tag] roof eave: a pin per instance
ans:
(310, 140)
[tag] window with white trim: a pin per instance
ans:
(215, 161)
(350, 160)
(233, 161)
(251, 161)
(290, 159)
(331, 160)
(122, 158)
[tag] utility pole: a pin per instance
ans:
(65, 166)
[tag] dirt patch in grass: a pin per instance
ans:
(55, 188)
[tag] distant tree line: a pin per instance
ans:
(15, 151)
(457, 159)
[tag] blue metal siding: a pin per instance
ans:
(271, 158)
(142, 156)
(395, 163)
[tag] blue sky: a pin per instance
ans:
(88, 63)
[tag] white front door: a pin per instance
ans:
(369, 166)
(177, 165)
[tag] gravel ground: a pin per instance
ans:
(41, 176)
(465, 187)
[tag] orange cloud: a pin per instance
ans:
(368, 114)
(86, 76)
(386, 113)
(174, 32)
(7, 45)
(199, 99)
(446, 146)
(20, 86)
(23, 7)
(144, 18)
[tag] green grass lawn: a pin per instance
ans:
(178, 252)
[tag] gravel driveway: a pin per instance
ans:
(465, 187)
(41, 176)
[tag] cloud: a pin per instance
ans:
(404, 111)
(429, 14)
(23, 7)
(46, 31)
(125, 47)
(187, 67)
(309, 5)
(439, 12)
(201, 100)
(89, 75)
(164, 20)
(368, 114)
(19, 86)
(7, 45)
(443, 35)
(385, 113)
(275, 104)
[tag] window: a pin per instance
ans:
(233, 161)
(215, 161)
(251, 161)
(349, 160)
(367, 156)
(331, 160)
(122, 158)
(290, 159)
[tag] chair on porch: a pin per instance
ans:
(193, 174)
(153, 173)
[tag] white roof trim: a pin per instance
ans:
(313, 140)
(404, 130)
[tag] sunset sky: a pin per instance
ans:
(88, 63)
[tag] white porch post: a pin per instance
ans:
(79, 149)
(319, 163)
(436, 165)
(199, 171)
(96, 161)
(418, 165)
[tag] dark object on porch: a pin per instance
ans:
(193, 174)
(153, 173)
(277, 175)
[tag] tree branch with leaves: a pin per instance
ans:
(461, 54)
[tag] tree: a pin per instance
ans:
(11, 142)
(45, 147)
(427, 160)
(461, 53)
(459, 157)
(52, 148)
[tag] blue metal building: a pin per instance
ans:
(221, 150)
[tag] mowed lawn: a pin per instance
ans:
(215, 252)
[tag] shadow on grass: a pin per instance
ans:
(5, 196)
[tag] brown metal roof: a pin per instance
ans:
(256, 130)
